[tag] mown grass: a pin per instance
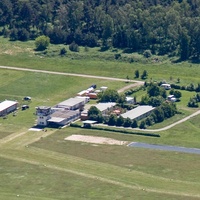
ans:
(26, 181)
(4, 134)
(153, 162)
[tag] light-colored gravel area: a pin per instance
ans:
(95, 140)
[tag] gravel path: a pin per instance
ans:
(130, 86)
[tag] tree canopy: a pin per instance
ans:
(154, 27)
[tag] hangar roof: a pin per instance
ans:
(6, 104)
(136, 112)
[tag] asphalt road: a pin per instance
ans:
(174, 124)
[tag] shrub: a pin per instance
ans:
(63, 51)
(23, 34)
(120, 121)
(117, 56)
(193, 103)
(42, 42)
(147, 53)
(137, 73)
(74, 47)
(142, 125)
(183, 87)
(190, 87)
(178, 87)
(144, 74)
(127, 122)
(134, 124)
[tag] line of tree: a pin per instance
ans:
(159, 27)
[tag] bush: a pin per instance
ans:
(142, 125)
(134, 124)
(183, 87)
(190, 87)
(23, 34)
(178, 87)
(193, 103)
(63, 51)
(117, 56)
(144, 74)
(127, 122)
(42, 42)
(74, 47)
(147, 53)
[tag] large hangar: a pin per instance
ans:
(138, 113)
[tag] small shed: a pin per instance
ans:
(129, 100)
(88, 123)
(103, 88)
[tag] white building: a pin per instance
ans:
(7, 106)
(43, 114)
(138, 113)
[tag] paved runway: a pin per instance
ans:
(165, 147)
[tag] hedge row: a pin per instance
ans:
(190, 87)
(118, 131)
(131, 91)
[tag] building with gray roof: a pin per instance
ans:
(104, 107)
(72, 103)
(64, 117)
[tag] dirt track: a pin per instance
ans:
(69, 74)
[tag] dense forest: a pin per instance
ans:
(169, 27)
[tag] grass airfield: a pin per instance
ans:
(43, 166)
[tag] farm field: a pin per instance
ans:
(44, 166)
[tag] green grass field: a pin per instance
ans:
(43, 166)
(93, 62)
